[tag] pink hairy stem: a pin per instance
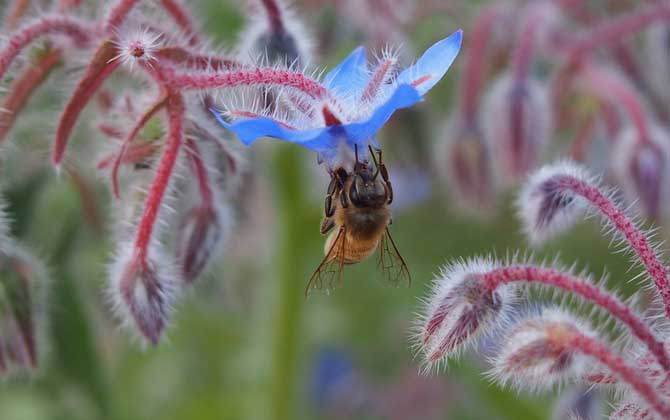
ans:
(613, 89)
(73, 28)
(637, 241)
(144, 119)
(118, 14)
(175, 112)
(187, 59)
(274, 15)
(615, 29)
(243, 77)
(24, 86)
(182, 18)
(99, 69)
(627, 374)
(587, 291)
(475, 59)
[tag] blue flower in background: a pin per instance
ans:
(359, 101)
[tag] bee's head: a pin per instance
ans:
(367, 189)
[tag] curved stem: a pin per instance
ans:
(24, 86)
(475, 59)
(636, 240)
(612, 89)
(274, 15)
(118, 14)
(628, 374)
(587, 291)
(527, 40)
(182, 18)
(175, 111)
(44, 26)
(613, 30)
(235, 78)
(99, 69)
(144, 119)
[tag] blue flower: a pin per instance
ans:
(360, 101)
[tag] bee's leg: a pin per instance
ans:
(385, 176)
(329, 210)
(327, 225)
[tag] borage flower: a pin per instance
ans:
(354, 103)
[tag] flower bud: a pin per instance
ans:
(467, 168)
(277, 34)
(517, 121)
(461, 308)
(642, 168)
(22, 282)
(538, 352)
(545, 206)
(201, 234)
(143, 290)
(658, 56)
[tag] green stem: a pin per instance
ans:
(289, 300)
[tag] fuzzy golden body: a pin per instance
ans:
(357, 233)
(357, 217)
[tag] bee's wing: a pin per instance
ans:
(329, 272)
(391, 263)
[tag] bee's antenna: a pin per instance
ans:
(374, 159)
(356, 152)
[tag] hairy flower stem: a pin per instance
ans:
(612, 88)
(118, 14)
(288, 308)
(182, 18)
(44, 26)
(99, 69)
(235, 78)
(144, 119)
(589, 292)
(274, 15)
(613, 30)
(187, 59)
(522, 56)
(24, 86)
(627, 374)
(475, 59)
(175, 111)
(637, 241)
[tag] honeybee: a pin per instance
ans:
(358, 216)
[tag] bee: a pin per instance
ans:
(357, 220)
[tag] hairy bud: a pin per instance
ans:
(517, 121)
(201, 234)
(468, 164)
(143, 290)
(545, 206)
(642, 168)
(461, 308)
(22, 283)
(538, 352)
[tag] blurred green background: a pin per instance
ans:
(244, 343)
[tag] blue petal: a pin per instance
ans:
(361, 133)
(320, 140)
(351, 76)
(433, 64)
